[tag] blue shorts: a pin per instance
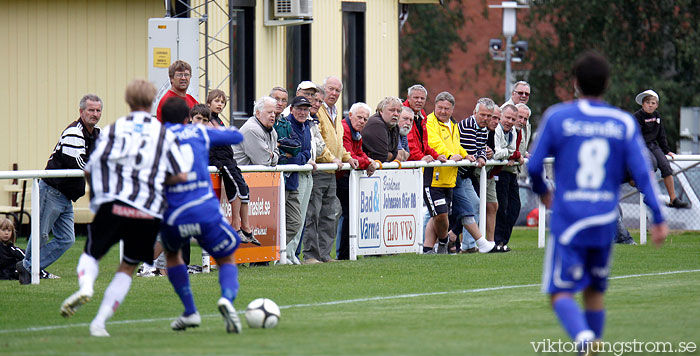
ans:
(572, 268)
(464, 199)
(217, 237)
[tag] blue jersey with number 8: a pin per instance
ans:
(594, 145)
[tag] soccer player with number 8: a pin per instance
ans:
(593, 144)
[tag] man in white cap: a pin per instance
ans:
(655, 138)
(306, 89)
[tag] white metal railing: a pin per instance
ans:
(35, 175)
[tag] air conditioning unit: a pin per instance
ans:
(293, 8)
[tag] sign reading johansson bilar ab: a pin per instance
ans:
(387, 209)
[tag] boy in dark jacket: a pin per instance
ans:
(655, 138)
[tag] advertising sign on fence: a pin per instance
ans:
(387, 209)
(263, 214)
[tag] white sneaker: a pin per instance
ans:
(71, 304)
(146, 271)
(183, 322)
(98, 330)
(484, 245)
(295, 260)
(233, 323)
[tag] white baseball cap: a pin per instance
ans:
(640, 97)
(307, 84)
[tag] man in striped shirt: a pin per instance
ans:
(56, 194)
(132, 161)
(473, 134)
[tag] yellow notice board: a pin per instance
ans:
(161, 57)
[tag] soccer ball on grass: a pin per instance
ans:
(262, 313)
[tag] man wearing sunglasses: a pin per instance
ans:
(521, 94)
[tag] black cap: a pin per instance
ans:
(300, 101)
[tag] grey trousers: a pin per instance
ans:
(292, 213)
(321, 218)
(305, 186)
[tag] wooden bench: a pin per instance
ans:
(19, 193)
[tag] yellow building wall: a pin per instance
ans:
(382, 46)
(54, 52)
(327, 41)
(270, 55)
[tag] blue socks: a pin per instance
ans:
(228, 278)
(570, 316)
(181, 283)
(596, 321)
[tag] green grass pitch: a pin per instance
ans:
(393, 305)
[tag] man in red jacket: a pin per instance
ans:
(352, 141)
(418, 136)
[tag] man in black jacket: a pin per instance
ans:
(655, 138)
(55, 194)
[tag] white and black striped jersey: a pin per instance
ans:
(131, 160)
(71, 152)
(472, 138)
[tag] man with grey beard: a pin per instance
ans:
(405, 125)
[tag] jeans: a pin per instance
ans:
(465, 203)
(56, 215)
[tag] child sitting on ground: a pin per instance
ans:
(10, 254)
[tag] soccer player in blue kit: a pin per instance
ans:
(193, 211)
(592, 143)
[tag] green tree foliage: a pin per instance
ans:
(429, 35)
(651, 44)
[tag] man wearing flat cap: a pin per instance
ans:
(655, 138)
(299, 129)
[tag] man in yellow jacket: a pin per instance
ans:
(322, 212)
(443, 137)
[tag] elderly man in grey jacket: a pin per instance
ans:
(260, 143)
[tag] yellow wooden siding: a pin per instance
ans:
(54, 53)
(327, 41)
(270, 55)
(382, 38)
(59, 50)
(382, 52)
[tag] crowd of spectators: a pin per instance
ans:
(309, 128)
